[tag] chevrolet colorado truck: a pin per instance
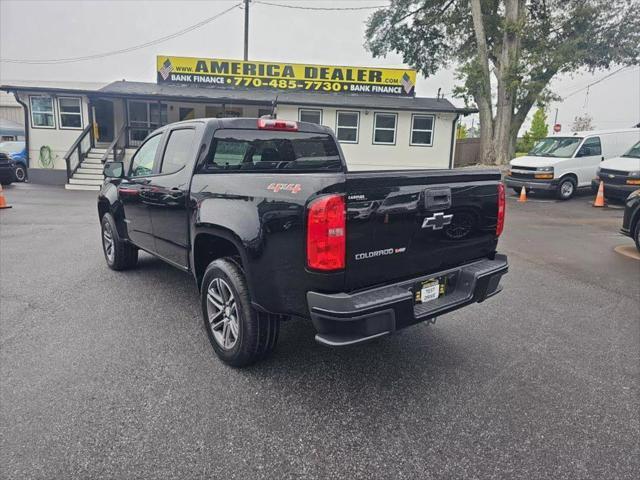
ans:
(266, 216)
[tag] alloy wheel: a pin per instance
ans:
(20, 173)
(222, 311)
(107, 242)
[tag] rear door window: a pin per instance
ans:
(178, 151)
(253, 150)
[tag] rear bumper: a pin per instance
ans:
(349, 318)
(531, 184)
(613, 190)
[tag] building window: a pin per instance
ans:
(384, 128)
(70, 111)
(347, 126)
(422, 130)
(42, 112)
(310, 116)
(185, 113)
(144, 118)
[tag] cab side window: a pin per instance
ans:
(142, 162)
(590, 147)
(177, 153)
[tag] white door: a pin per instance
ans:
(587, 159)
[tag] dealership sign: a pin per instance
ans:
(284, 76)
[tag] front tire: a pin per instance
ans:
(566, 188)
(239, 334)
(20, 173)
(119, 254)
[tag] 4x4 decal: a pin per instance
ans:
(288, 187)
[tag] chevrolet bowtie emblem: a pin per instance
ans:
(437, 222)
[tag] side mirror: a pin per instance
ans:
(114, 169)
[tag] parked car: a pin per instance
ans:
(631, 218)
(272, 225)
(621, 175)
(561, 164)
(16, 152)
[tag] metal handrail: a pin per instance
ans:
(114, 146)
(77, 146)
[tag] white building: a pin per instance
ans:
(72, 130)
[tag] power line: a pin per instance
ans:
(122, 50)
(320, 9)
(586, 87)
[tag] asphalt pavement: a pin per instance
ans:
(110, 375)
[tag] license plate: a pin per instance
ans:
(430, 290)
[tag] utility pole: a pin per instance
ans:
(246, 30)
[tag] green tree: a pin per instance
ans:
(539, 128)
(506, 51)
(461, 131)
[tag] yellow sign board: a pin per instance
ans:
(284, 76)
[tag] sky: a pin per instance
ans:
(49, 29)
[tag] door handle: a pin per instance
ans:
(437, 198)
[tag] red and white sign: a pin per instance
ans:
(557, 127)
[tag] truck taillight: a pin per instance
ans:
(502, 206)
(326, 233)
(273, 124)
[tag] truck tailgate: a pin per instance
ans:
(403, 224)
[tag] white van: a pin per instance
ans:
(563, 163)
(621, 175)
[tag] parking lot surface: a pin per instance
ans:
(110, 375)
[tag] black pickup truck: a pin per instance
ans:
(266, 216)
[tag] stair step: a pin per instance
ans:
(88, 176)
(100, 150)
(95, 161)
(89, 171)
(92, 166)
(70, 186)
(78, 181)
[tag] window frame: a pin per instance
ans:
(60, 113)
(395, 128)
(357, 127)
(314, 110)
(205, 166)
(154, 169)
(165, 144)
(53, 112)
(584, 144)
(412, 129)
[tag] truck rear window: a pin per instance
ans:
(248, 150)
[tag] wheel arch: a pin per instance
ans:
(212, 242)
(571, 175)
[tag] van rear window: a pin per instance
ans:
(252, 150)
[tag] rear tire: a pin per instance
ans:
(516, 190)
(566, 188)
(636, 235)
(119, 254)
(239, 334)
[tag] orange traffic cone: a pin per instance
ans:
(523, 195)
(3, 202)
(599, 201)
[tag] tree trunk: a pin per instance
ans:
(514, 9)
(482, 91)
